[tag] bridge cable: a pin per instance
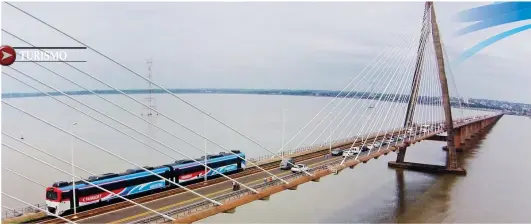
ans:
(370, 93)
(354, 116)
(423, 115)
(150, 81)
(108, 152)
(88, 182)
(399, 60)
(385, 56)
(450, 72)
(372, 98)
(399, 87)
(348, 103)
(385, 90)
(396, 111)
(200, 135)
(20, 175)
(55, 157)
(116, 129)
(380, 110)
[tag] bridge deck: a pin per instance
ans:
(184, 199)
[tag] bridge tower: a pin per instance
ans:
(452, 165)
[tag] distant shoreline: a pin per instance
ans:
(496, 105)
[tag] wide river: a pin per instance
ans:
(496, 189)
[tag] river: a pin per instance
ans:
(369, 193)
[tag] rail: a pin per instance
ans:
(17, 212)
(203, 205)
(12, 213)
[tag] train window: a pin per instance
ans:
(129, 171)
(235, 151)
(148, 168)
(109, 175)
(216, 156)
(51, 195)
(186, 161)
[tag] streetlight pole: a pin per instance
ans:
(73, 179)
(330, 138)
(283, 129)
(205, 145)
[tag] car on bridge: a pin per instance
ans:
(377, 144)
(298, 168)
(367, 147)
(287, 163)
(336, 152)
(351, 152)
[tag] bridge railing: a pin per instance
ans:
(12, 213)
(313, 147)
(203, 205)
(17, 212)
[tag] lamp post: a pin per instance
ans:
(330, 131)
(283, 129)
(73, 179)
(205, 145)
(330, 138)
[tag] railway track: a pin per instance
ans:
(144, 199)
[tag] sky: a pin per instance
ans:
(266, 45)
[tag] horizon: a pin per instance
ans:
(161, 91)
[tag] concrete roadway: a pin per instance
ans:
(175, 201)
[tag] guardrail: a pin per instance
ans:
(12, 213)
(203, 205)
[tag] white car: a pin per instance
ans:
(351, 152)
(299, 168)
(377, 144)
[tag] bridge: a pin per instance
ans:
(416, 78)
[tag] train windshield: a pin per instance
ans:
(51, 195)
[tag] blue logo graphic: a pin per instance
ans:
(493, 15)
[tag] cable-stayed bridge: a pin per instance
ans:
(410, 96)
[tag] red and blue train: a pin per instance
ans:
(134, 182)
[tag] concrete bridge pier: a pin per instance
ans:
(465, 137)
(472, 134)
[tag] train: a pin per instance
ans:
(135, 182)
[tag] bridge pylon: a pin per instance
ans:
(452, 165)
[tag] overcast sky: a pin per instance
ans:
(317, 45)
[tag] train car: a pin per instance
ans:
(188, 171)
(59, 197)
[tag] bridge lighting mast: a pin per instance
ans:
(150, 99)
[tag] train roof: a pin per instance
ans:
(138, 172)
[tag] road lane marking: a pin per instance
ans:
(211, 194)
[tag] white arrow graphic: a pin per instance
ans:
(6, 55)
